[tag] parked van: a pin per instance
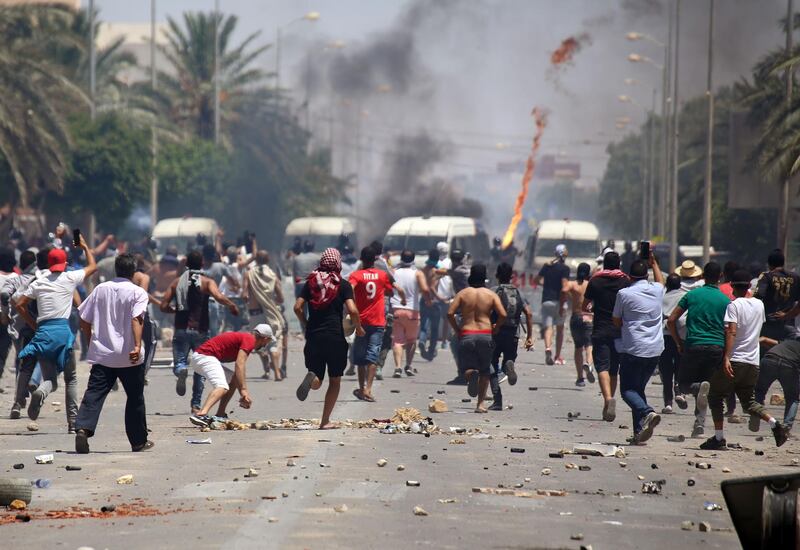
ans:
(421, 234)
(183, 233)
(328, 231)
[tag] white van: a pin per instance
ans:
(421, 234)
(324, 231)
(183, 233)
(581, 239)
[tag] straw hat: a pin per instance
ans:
(689, 270)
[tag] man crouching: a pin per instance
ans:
(475, 304)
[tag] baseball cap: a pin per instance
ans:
(57, 260)
(263, 331)
(561, 250)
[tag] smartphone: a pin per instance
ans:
(76, 238)
(644, 250)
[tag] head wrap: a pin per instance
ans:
(325, 281)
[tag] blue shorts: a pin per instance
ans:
(367, 348)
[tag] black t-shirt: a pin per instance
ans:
(553, 275)
(778, 289)
(327, 321)
(602, 291)
(788, 350)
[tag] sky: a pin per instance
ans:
(468, 72)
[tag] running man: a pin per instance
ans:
(506, 341)
(263, 294)
(475, 305)
(327, 296)
(580, 324)
(207, 361)
(553, 276)
(370, 286)
(406, 311)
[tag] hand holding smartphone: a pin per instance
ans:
(644, 250)
(76, 238)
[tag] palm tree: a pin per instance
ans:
(34, 139)
(188, 90)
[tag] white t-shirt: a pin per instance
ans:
(748, 314)
(53, 294)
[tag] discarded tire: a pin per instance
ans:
(12, 488)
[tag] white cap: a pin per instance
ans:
(561, 250)
(443, 247)
(263, 331)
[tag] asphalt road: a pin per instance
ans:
(202, 499)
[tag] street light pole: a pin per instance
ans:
(217, 22)
(673, 229)
(709, 142)
(92, 61)
(666, 105)
(310, 16)
(783, 218)
(651, 205)
(153, 134)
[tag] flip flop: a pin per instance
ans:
(305, 386)
(472, 383)
(359, 394)
(369, 398)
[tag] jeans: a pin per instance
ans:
(774, 368)
(429, 325)
(49, 383)
(101, 380)
(183, 342)
(215, 316)
(367, 349)
(634, 373)
(386, 344)
(668, 368)
(236, 322)
(506, 345)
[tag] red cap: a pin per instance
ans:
(57, 260)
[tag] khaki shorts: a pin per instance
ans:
(406, 327)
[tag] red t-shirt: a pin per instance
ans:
(727, 290)
(369, 287)
(226, 346)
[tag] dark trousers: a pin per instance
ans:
(634, 373)
(506, 345)
(776, 368)
(743, 383)
(429, 326)
(101, 380)
(5, 347)
(668, 368)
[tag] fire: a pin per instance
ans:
(568, 48)
(541, 122)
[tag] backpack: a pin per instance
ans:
(512, 304)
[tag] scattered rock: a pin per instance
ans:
(411, 483)
(73, 468)
(400, 467)
(272, 519)
(108, 508)
(653, 487)
(33, 427)
(125, 480)
(458, 442)
(285, 494)
(703, 466)
(690, 482)
(570, 466)
(584, 468)
(776, 399)
(19, 466)
(382, 462)
(704, 527)
(687, 525)
(546, 471)
(17, 504)
(759, 453)
(261, 425)
(760, 438)
(676, 438)
(447, 500)
(576, 536)
(341, 508)
(623, 464)
(437, 406)
(419, 511)
(726, 470)
(252, 472)
(290, 462)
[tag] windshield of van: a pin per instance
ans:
(576, 248)
(321, 242)
(420, 244)
(183, 244)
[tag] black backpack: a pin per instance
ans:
(511, 300)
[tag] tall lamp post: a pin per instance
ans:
(153, 135)
(709, 142)
(646, 171)
(673, 225)
(310, 16)
(783, 218)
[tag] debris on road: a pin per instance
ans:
(653, 487)
(44, 459)
(776, 399)
(457, 442)
(252, 472)
(517, 450)
(125, 480)
(438, 406)
(290, 462)
(419, 511)
(206, 441)
(272, 519)
(17, 504)
(687, 525)
(108, 508)
(340, 508)
(576, 536)
(546, 471)
(704, 527)
(19, 466)
(711, 506)
(33, 427)
(73, 468)
(447, 500)
(518, 493)
(703, 466)
(690, 482)
(382, 462)
(676, 438)
(400, 467)
(411, 483)
(597, 449)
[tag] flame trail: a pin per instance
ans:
(541, 122)
(568, 48)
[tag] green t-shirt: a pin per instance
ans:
(705, 308)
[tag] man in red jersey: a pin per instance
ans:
(370, 286)
(208, 359)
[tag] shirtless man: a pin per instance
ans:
(475, 304)
(580, 323)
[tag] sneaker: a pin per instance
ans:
(697, 431)
(650, 422)
(410, 371)
(781, 434)
(667, 410)
(713, 444)
(305, 386)
(548, 357)
(422, 350)
(560, 361)
(502, 379)
(71, 429)
(702, 396)
(201, 420)
(15, 411)
(457, 381)
(37, 400)
(472, 384)
(82, 442)
(610, 410)
(588, 372)
(283, 371)
(180, 383)
(681, 402)
(580, 382)
(755, 423)
(398, 373)
(511, 372)
(350, 371)
(379, 374)
(496, 406)
(146, 446)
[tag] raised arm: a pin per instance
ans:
(91, 265)
(211, 288)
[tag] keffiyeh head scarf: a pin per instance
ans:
(324, 282)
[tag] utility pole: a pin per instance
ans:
(709, 142)
(217, 23)
(153, 134)
(651, 209)
(92, 61)
(783, 218)
(645, 174)
(673, 226)
(666, 105)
